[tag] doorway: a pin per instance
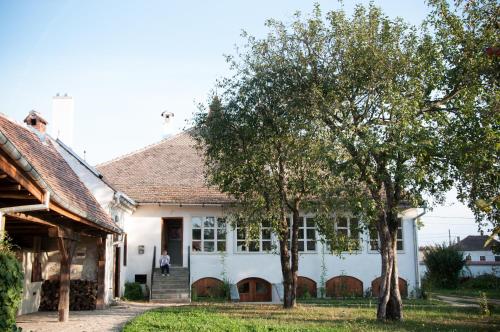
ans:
(172, 239)
(117, 272)
(254, 290)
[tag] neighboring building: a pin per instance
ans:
(56, 224)
(479, 259)
(177, 211)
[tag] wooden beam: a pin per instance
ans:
(11, 187)
(101, 269)
(15, 195)
(76, 217)
(67, 250)
(8, 167)
(25, 217)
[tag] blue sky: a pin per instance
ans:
(125, 62)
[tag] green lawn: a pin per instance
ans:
(308, 317)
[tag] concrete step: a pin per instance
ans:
(170, 291)
(171, 300)
(170, 286)
(184, 296)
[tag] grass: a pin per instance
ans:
(490, 293)
(309, 317)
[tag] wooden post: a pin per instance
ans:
(101, 269)
(66, 240)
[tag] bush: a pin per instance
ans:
(482, 282)
(133, 291)
(444, 264)
(11, 287)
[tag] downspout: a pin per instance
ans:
(415, 251)
(23, 208)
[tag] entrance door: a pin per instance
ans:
(172, 240)
(117, 272)
(254, 290)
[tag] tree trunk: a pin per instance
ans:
(295, 255)
(390, 304)
(285, 265)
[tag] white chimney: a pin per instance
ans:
(62, 118)
(167, 123)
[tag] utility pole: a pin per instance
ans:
(449, 236)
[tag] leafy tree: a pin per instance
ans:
(444, 264)
(260, 150)
(467, 37)
(374, 104)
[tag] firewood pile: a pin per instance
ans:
(82, 295)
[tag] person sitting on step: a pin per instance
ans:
(165, 263)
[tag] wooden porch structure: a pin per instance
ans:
(44, 206)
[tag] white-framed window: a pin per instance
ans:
(260, 242)
(348, 230)
(208, 234)
(375, 242)
(307, 234)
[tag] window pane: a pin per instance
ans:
(310, 222)
(301, 245)
(196, 234)
(342, 232)
(266, 234)
(244, 288)
(253, 246)
(221, 245)
(196, 245)
(221, 223)
(400, 234)
(266, 245)
(400, 222)
(208, 234)
(311, 245)
(209, 222)
(400, 245)
(221, 234)
(241, 246)
(266, 224)
(311, 234)
(240, 234)
(301, 233)
(208, 246)
(342, 222)
(196, 222)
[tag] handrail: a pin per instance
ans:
(189, 271)
(153, 265)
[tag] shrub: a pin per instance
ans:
(444, 264)
(484, 308)
(133, 291)
(225, 289)
(11, 287)
(482, 282)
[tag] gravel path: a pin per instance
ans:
(111, 319)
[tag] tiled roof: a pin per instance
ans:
(475, 243)
(170, 171)
(55, 172)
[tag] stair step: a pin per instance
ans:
(171, 300)
(170, 296)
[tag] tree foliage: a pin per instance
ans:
(11, 287)
(444, 264)
(365, 115)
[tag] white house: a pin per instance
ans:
(479, 259)
(178, 212)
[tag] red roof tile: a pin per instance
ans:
(170, 171)
(55, 171)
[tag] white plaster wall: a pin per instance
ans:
(101, 191)
(475, 255)
(144, 228)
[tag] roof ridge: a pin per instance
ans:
(144, 148)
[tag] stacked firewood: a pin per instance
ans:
(82, 295)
